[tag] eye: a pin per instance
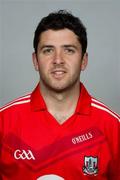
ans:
(47, 51)
(69, 50)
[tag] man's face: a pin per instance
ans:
(59, 59)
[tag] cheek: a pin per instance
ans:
(43, 67)
(75, 66)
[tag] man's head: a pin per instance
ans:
(60, 51)
(61, 20)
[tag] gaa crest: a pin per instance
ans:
(90, 165)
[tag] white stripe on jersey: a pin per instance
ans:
(23, 97)
(16, 100)
(95, 100)
(105, 109)
(102, 104)
(14, 103)
(20, 98)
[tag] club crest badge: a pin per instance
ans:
(90, 165)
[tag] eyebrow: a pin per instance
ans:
(70, 46)
(46, 46)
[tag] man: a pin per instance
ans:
(59, 131)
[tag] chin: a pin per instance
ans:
(59, 88)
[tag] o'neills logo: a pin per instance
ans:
(82, 138)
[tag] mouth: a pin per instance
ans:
(58, 73)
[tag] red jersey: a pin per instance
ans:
(34, 146)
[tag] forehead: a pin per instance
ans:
(58, 36)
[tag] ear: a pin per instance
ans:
(35, 61)
(84, 62)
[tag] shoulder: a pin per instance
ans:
(102, 110)
(18, 102)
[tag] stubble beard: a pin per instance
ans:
(59, 86)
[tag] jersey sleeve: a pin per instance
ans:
(0, 141)
(115, 150)
(0, 131)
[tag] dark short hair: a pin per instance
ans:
(59, 20)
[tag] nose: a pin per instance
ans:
(58, 57)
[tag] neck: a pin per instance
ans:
(61, 104)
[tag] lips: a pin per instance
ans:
(58, 73)
(58, 70)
